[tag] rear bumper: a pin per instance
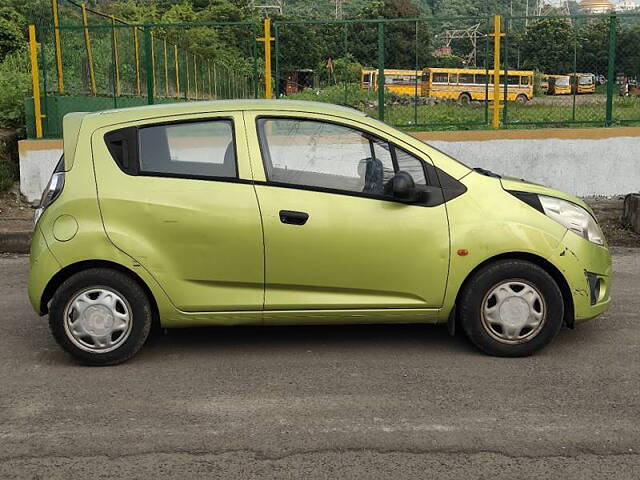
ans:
(587, 269)
(42, 267)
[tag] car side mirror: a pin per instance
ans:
(402, 187)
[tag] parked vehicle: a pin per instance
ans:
(284, 212)
(559, 85)
(583, 83)
(466, 84)
(402, 82)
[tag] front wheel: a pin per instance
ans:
(522, 98)
(100, 316)
(511, 308)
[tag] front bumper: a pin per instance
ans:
(587, 269)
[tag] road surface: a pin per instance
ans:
(371, 402)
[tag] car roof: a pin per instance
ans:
(185, 108)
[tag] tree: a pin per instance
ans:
(593, 47)
(627, 53)
(401, 44)
(12, 25)
(549, 46)
(448, 61)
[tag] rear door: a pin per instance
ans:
(177, 196)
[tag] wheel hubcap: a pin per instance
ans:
(513, 311)
(98, 320)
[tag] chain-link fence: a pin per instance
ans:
(626, 91)
(420, 73)
(439, 72)
(391, 69)
(581, 63)
(91, 61)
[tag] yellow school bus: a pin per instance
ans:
(583, 83)
(556, 84)
(466, 84)
(402, 82)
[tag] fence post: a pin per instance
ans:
(114, 45)
(276, 46)
(195, 76)
(381, 70)
(56, 25)
(497, 21)
(87, 42)
(267, 39)
(186, 66)
(215, 82)
(175, 59)
(166, 70)
(137, 56)
(611, 73)
(153, 63)
(148, 64)
(35, 80)
(256, 87)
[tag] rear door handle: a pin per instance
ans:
(293, 218)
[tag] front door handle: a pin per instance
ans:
(293, 218)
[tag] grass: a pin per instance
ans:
(541, 112)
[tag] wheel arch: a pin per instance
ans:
(546, 265)
(74, 268)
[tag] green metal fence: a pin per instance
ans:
(420, 73)
(587, 59)
(91, 61)
(395, 52)
(597, 49)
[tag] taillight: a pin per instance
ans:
(52, 190)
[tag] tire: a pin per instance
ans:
(496, 320)
(100, 316)
(522, 98)
(464, 99)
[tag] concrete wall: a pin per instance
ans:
(38, 158)
(583, 162)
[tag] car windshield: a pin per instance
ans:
(562, 81)
(585, 80)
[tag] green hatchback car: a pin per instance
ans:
(285, 212)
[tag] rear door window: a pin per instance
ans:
(201, 149)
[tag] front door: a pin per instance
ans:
(177, 197)
(333, 237)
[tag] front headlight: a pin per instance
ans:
(574, 217)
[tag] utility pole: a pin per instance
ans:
(266, 6)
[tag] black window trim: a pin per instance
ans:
(392, 146)
(138, 172)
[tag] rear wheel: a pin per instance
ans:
(522, 98)
(464, 99)
(100, 316)
(511, 308)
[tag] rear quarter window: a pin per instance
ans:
(193, 149)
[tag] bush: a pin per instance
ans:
(7, 175)
(15, 85)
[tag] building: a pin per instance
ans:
(596, 6)
(626, 6)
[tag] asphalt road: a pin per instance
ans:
(323, 402)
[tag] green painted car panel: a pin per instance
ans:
(200, 239)
(215, 252)
(353, 252)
